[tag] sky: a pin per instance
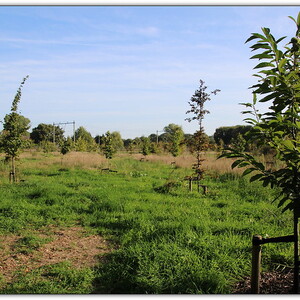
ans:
(131, 69)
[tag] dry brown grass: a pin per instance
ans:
(85, 160)
(186, 160)
(92, 160)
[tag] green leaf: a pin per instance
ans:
(264, 65)
(269, 97)
(256, 177)
(254, 98)
(248, 171)
(279, 40)
(293, 19)
(236, 163)
(281, 64)
(262, 56)
(260, 46)
(255, 36)
(288, 144)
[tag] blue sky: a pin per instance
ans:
(131, 69)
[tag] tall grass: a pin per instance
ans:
(166, 241)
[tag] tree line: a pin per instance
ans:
(173, 140)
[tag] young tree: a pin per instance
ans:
(175, 136)
(14, 128)
(145, 144)
(84, 140)
(108, 149)
(117, 142)
(279, 127)
(66, 146)
(198, 111)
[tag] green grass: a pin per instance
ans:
(168, 240)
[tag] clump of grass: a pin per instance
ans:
(30, 243)
(167, 187)
(60, 278)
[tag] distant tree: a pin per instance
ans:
(129, 146)
(239, 143)
(47, 146)
(153, 138)
(108, 148)
(154, 147)
(99, 140)
(81, 132)
(137, 142)
(145, 150)
(228, 134)
(117, 142)
(47, 132)
(14, 128)
(163, 137)
(198, 111)
(175, 136)
(66, 146)
(84, 140)
(127, 142)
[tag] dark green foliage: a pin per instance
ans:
(175, 137)
(66, 146)
(47, 133)
(108, 148)
(228, 134)
(279, 127)
(145, 145)
(84, 140)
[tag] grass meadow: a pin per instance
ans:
(162, 239)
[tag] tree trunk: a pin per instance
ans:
(13, 170)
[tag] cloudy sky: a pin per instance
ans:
(131, 69)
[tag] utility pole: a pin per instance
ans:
(157, 131)
(53, 133)
(64, 123)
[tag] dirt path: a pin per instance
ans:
(71, 244)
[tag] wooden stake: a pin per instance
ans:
(256, 263)
(190, 184)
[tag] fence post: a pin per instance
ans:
(256, 263)
(190, 184)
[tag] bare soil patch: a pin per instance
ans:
(71, 244)
(270, 283)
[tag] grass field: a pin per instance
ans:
(70, 227)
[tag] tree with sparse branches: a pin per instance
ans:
(200, 142)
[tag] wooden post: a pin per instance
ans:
(10, 177)
(190, 184)
(256, 263)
